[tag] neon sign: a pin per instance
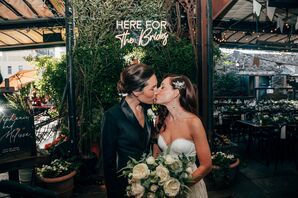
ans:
(141, 32)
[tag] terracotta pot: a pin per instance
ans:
(235, 164)
(62, 185)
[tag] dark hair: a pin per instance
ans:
(134, 78)
(187, 98)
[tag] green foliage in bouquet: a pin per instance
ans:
(164, 176)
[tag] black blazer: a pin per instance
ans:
(122, 137)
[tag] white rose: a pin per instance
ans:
(150, 160)
(140, 171)
(189, 170)
(172, 187)
(137, 190)
(163, 173)
(153, 188)
(169, 159)
(150, 195)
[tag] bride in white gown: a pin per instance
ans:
(181, 130)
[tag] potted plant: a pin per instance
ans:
(224, 144)
(58, 176)
(225, 168)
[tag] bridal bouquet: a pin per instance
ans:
(164, 176)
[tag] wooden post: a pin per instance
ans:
(205, 63)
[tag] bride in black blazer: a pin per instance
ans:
(125, 127)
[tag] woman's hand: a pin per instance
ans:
(191, 182)
(156, 150)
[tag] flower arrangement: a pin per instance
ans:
(275, 119)
(152, 113)
(50, 146)
(164, 176)
(57, 168)
(222, 159)
(222, 170)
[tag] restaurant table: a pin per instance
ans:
(281, 139)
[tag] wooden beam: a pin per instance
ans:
(221, 7)
(32, 23)
(31, 46)
(258, 46)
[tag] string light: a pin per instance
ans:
(248, 33)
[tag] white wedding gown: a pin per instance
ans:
(187, 147)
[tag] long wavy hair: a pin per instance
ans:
(187, 98)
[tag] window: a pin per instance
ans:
(20, 67)
(9, 70)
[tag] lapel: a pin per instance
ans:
(129, 113)
(147, 123)
(131, 117)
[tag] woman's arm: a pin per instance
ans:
(202, 148)
(156, 150)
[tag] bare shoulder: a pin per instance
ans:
(196, 125)
(195, 121)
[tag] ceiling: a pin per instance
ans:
(238, 27)
(31, 24)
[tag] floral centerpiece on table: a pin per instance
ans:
(164, 176)
(275, 119)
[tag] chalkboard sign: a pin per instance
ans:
(17, 136)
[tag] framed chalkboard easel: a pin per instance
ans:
(17, 135)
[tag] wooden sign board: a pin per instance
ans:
(17, 136)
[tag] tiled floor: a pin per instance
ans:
(256, 179)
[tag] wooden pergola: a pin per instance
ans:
(26, 24)
(238, 27)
